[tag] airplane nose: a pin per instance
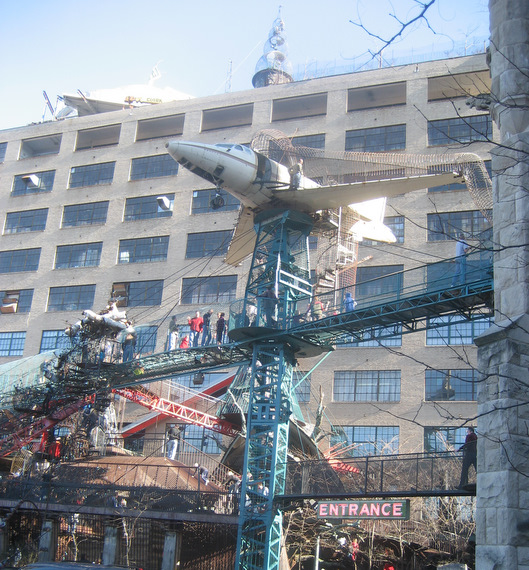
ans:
(174, 149)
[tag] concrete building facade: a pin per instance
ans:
(82, 223)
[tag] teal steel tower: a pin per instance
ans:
(279, 279)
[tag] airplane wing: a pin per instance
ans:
(330, 197)
(243, 241)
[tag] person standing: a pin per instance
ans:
(206, 328)
(221, 328)
(469, 449)
(316, 309)
(462, 248)
(173, 334)
(173, 436)
(349, 303)
(196, 328)
(296, 172)
(269, 305)
(128, 346)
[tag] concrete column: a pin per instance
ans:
(110, 546)
(502, 537)
(172, 549)
(47, 542)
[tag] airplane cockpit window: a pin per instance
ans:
(225, 145)
(238, 147)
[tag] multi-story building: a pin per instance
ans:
(84, 221)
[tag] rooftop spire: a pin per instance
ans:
(273, 68)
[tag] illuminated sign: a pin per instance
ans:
(364, 509)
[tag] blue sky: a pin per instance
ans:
(61, 46)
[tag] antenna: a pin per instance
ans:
(48, 105)
(228, 78)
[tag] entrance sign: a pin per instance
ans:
(383, 510)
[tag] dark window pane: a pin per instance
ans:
(84, 214)
(33, 183)
(143, 250)
(12, 343)
(78, 255)
(209, 289)
(19, 260)
(153, 167)
(72, 298)
(92, 174)
(206, 244)
(26, 221)
(147, 207)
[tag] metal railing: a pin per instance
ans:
(416, 474)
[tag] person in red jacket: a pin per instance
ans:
(184, 343)
(196, 324)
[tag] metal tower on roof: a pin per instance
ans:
(274, 68)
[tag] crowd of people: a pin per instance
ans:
(200, 331)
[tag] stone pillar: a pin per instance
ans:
(110, 546)
(502, 537)
(47, 542)
(172, 549)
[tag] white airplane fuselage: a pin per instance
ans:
(251, 177)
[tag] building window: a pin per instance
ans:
(153, 167)
(447, 225)
(160, 127)
(310, 141)
(40, 146)
(17, 301)
(378, 280)
(52, 340)
(146, 340)
(366, 386)
(374, 337)
(138, 293)
(368, 440)
(98, 137)
(71, 298)
(459, 385)
(33, 183)
(84, 214)
(226, 117)
(26, 221)
(201, 203)
(200, 290)
(443, 330)
(143, 250)
(458, 85)
(396, 225)
(301, 387)
(438, 439)
(298, 107)
(374, 96)
(3, 149)
(376, 139)
(92, 174)
(19, 260)
(459, 130)
(78, 255)
(12, 343)
(146, 207)
(202, 439)
(208, 244)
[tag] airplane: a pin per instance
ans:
(261, 184)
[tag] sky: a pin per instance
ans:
(61, 46)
